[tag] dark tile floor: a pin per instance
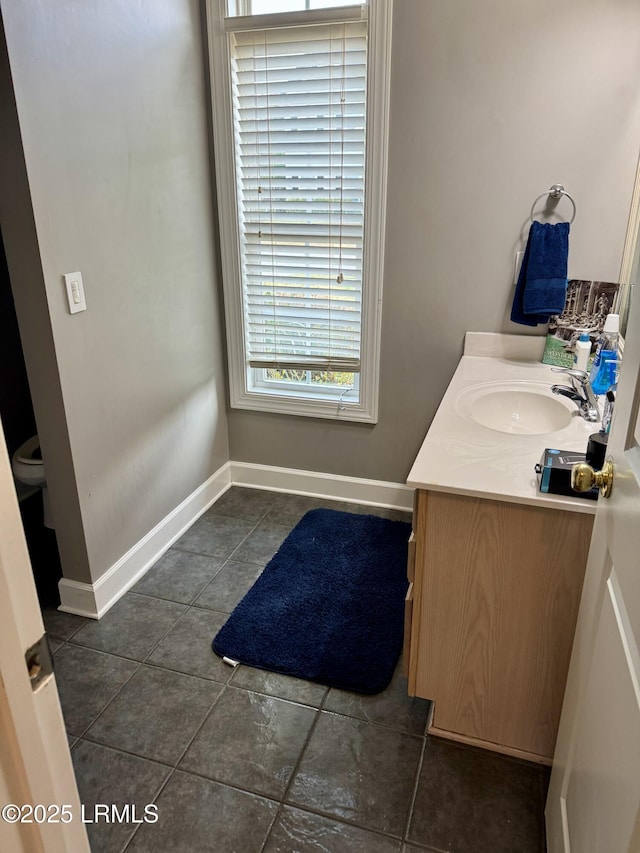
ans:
(245, 760)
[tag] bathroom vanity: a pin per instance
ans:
(495, 567)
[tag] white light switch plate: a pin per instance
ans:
(75, 292)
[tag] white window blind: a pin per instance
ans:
(299, 97)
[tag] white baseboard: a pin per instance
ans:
(94, 600)
(317, 484)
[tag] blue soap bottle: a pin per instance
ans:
(605, 362)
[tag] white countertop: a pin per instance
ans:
(463, 457)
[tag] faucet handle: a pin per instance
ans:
(580, 375)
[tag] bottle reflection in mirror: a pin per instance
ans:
(605, 362)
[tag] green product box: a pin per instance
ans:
(556, 353)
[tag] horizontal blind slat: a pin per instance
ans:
(307, 275)
(340, 365)
(290, 253)
(283, 231)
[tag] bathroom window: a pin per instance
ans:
(300, 109)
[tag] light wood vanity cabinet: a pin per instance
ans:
(490, 617)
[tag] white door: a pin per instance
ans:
(594, 796)
(35, 762)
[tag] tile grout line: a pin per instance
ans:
(155, 802)
(167, 632)
(193, 675)
(199, 775)
(414, 792)
(124, 751)
(63, 640)
(201, 726)
(116, 694)
(374, 723)
(295, 769)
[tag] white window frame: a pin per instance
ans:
(245, 393)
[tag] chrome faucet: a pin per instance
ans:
(580, 391)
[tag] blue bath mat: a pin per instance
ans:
(329, 606)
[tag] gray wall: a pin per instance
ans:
(491, 103)
(112, 109)
(25, 268)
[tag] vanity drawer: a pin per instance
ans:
(408, 619)
(411, 558)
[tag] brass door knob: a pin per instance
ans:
(584, 478)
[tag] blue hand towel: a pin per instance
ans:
(542, 284)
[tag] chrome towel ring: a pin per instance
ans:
(556, 192)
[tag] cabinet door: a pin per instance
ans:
(498, 600)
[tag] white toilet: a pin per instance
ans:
(28, 470)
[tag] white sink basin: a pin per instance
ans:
(518, 407)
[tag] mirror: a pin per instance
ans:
(630, 267)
